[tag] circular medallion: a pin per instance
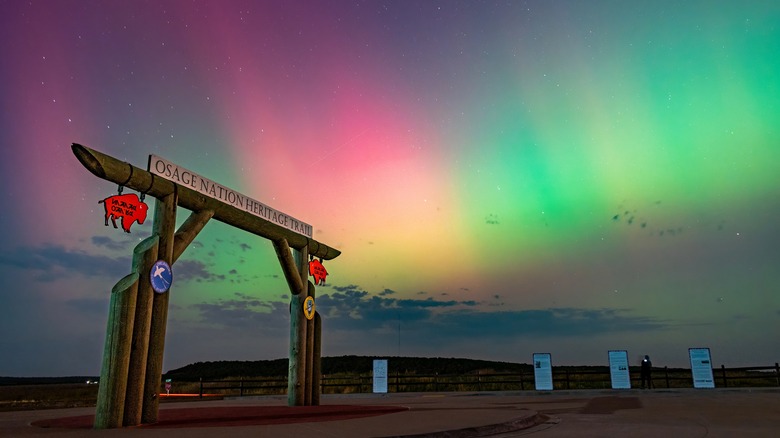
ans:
(161, 276)
(308, 308)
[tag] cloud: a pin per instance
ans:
(194, 270)
(430, 302)
(351, 287)
(53, 262)
(92, 307)
(244, 312)
(355, 311)
(108, 243)
(551, 322)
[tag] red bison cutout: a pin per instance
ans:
(126, 207)
(317, 271)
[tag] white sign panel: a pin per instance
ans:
(179, 175)
(543, 371)
(380, 376)
(618, 369)
(701, 368)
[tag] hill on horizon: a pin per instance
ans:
(279, 368)
(341, 365)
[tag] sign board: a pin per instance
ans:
(543, 371)
(701, 368)
(161, 276)
(380, 376)
(179, 175)
(618, 369)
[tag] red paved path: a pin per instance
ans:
(237, 416)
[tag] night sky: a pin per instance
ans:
(502, 177)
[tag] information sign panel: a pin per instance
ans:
(618, 369)
(380, 376)
(701, 368)
(543, 371)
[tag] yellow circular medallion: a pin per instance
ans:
(308, 308)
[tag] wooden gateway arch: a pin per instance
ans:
(131, 372)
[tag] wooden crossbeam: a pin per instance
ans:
(111, 169)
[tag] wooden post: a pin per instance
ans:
(164, 224)
(309, 387)
(289, 266)
(316, 383)
(144, 256)
(116, 354)
(297, 357)
(188, 231)
(294, 389)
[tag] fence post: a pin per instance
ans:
(200, 392)
(666, 373)
(241, 387)
(723, 369)
(479, 381)
(777, 373)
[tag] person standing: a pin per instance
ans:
(646, 371)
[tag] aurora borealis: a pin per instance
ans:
(502, 177)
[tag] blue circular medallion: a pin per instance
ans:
(161, 276)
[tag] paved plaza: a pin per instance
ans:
(607, 413)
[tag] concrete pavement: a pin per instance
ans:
(603, 413)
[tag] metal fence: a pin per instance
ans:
(570, 378)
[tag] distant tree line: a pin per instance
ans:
(8, 381)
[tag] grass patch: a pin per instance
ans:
(48, 396)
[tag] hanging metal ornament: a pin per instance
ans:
(128, 208)
(317, 271)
